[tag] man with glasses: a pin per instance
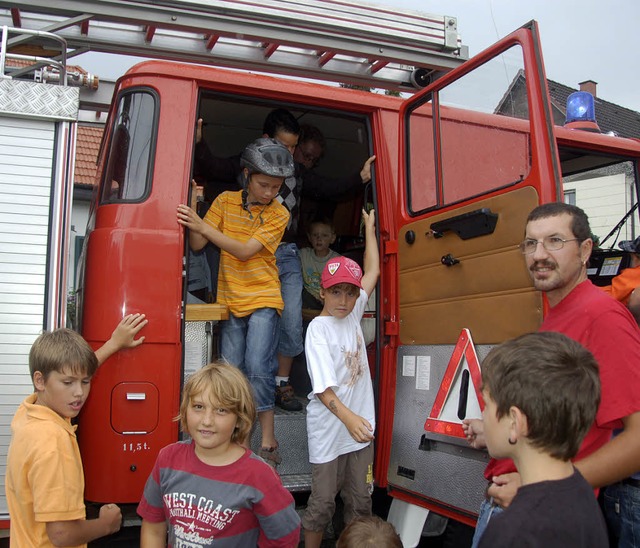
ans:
(556, 249)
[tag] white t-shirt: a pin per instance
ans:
(337, 358)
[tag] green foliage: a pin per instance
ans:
(355, 86)
(71, 309)
(389, 92)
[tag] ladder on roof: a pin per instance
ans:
(335, 40)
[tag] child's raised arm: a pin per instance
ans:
(189, 218)
(359, 428)
(371, 253)
(123, 336)
(200, 232)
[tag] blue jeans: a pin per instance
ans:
(290, 272)
(250, 344)
(487, 510)
(622, 511)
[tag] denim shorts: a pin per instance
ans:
(290, 273)
(622, 512)
(488, 509)
(250, 344)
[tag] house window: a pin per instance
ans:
(570, 197)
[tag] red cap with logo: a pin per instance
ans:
(341, 270)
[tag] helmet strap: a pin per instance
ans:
(246, 205)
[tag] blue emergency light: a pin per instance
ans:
(581, 112)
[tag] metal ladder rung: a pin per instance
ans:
(211, 41)
(338, 40)
(324, 57)
(149, 32)
(269, 49)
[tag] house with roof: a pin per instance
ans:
(84, 185)
(606, 194)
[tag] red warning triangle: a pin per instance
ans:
(464, 352)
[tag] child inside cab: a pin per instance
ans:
(211, 490)
(340, 414)
(541, 393)
(321, 235)
(247, 225)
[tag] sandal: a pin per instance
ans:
(271, 456)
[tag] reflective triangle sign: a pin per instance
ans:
(459, 395)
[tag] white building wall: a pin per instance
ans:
(605, 200)
(79, 218)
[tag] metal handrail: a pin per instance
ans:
(4, 54)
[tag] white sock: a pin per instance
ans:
(280, 379)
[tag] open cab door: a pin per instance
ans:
(477, 155)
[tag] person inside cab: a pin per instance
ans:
(624, 283)
(307, 149)
(247, 225)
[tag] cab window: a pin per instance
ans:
(130, 161)
(483, 135)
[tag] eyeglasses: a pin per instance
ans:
(550, 243)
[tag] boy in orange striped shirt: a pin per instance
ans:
(247, 226)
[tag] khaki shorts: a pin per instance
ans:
(351, 475)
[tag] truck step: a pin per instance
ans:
(291, 433)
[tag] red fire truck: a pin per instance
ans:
(452, 187)
(458, 167)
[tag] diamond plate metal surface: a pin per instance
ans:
(447, 472)
(290, 426)
(291, 433)
(196, 332)
(45, 101)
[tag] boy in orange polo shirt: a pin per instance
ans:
(247, 226)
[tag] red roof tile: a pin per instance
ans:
(87, 147)
(21, 63)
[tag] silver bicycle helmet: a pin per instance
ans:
(268, 156)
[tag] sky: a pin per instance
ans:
(581, 40)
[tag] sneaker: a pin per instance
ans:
(286, 398)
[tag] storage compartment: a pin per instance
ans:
(134, 408)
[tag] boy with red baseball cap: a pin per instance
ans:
(340, 414)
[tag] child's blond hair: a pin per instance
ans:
(229, 389)
(369, 531)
